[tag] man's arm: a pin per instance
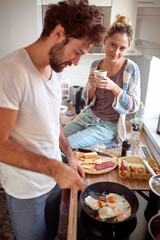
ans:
(66, 149)
(15, 155)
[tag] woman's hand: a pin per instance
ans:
(92, 80)
(92, 89)
(107, 83)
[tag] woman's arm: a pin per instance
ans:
(129, 97)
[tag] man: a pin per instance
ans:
(31, 136)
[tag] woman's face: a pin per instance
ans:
(116, 46)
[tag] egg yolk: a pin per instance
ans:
(111, 199)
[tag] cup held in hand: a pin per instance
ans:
(102, 73)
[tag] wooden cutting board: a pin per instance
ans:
(90, 163)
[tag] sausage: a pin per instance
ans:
(124, 165)
(104, 165)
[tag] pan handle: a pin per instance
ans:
(146, 164)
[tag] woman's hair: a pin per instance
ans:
(77, 19)
(121, 25)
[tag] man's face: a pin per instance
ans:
(65, 54)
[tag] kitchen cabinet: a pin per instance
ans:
(148, 19)
(101, 3)
(148, 3)
(46, 2)
(128, 9)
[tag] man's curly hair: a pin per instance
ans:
(77, 19)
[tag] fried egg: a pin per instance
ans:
(117, 202)
(115, 206)
(92, 203)
(106, 212)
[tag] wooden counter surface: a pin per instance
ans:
(109, 177)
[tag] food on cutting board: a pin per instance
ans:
(95, 164)
(115, 206)
(132, 168)
(91, 155)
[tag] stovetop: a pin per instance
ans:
(134, 229)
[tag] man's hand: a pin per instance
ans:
(66, 149)
(66, 177)
(74, 163)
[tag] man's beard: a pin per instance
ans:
(56, 54)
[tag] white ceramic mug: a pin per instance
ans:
(102, 73)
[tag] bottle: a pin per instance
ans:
(158, 126)
(126, 148)
(130, 133)
(135, 141)
(139, 115)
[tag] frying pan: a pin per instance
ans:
(154, 181)
(109, 187)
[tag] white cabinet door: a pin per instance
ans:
(46, 2)
(101, 3)
(106, 3)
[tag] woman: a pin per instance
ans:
(109, 98)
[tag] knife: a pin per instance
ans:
(99, 153)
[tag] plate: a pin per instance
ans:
(90, 163)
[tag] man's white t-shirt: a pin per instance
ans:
(37, 99)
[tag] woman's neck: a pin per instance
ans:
(111, 67)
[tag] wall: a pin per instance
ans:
(20, 24)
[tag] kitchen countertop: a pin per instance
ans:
(140, 185)
(63, 116)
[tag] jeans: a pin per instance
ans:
(87, 130)
(35, 218)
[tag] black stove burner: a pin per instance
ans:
(152, 207)
(106, 230)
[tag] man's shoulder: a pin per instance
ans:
(12, 56)
(12, 62)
